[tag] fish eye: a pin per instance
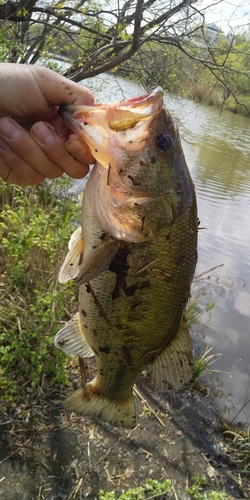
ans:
(164, 142)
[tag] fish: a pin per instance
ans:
(133, 257)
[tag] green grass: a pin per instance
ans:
(152, 488)
(35, 225)
(199, 490)
(194, 310)
(202, 363)
(241, 448)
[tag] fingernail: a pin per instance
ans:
(43, 133)
(8, 129)
(4, 146)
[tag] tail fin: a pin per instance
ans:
(118, 412)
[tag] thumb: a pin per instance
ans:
(59, 90)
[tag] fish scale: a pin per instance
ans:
(134, 256)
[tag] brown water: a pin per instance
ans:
(217, 149)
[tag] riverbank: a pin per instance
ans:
(212, 94)
(219, 98)
(46, 455)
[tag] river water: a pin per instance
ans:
(217, 149)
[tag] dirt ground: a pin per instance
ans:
(45, 454)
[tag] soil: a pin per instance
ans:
(45, 454)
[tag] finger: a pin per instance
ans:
(79, 149)
(53, 144)
(57, 89)
(23, 151)
(24, 175)
(30, 93)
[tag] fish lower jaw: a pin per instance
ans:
(86, 401)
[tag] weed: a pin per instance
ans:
(151, 489)
(241, 441)
(35, 226)
(197, 490)
(194, 310)
(202, 363)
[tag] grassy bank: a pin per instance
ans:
(35, 225)
(177, 441)
(216, 97)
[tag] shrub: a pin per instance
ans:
(35, 225)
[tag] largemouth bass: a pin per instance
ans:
(134, 256)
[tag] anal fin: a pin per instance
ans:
(118, 412)
(174, 366)
(71, 339)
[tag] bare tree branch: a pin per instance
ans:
(99, 38)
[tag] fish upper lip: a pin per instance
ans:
(146, 104)
(155, 92)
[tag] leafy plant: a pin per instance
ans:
(151, 489)
(35, 226)
(197, 490)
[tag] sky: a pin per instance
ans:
(228, 14)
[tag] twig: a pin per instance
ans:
(75, 489)
(20, 447)
(82, 371)
(39, 493)
(175, 494)
(149, 407)
(89, 455)
(108, 475)
(78, 486)
(43, 464)
(148, 453)
(208, 271)
(146, 267)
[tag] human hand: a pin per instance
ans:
(35, 143)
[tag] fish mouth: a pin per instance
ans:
(105, 127)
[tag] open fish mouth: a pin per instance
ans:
(122, 124)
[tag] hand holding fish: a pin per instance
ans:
(35, 143)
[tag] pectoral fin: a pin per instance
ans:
(71, 339)
(97, 261)
(70, 267)
(173, 367)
